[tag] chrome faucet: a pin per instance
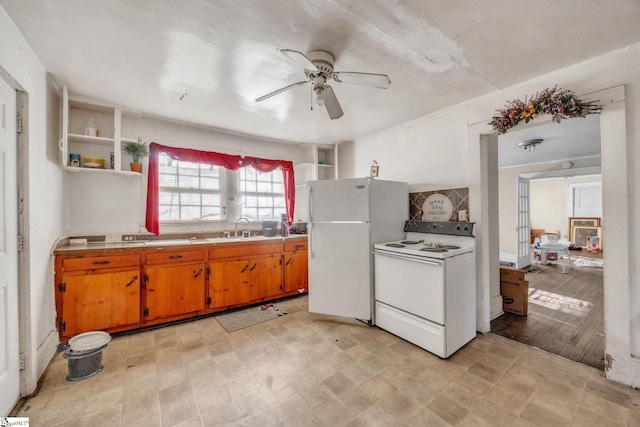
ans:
(235, 233)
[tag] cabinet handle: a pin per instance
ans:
(254, 266)
(196, 274)
(288, 261)
(299, 247)
(244, 269)
(131, 281)
(175, 256)
(106, 261)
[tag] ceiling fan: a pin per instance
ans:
(318, 68)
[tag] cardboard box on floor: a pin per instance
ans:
(515, 291)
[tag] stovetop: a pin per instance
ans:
(433, 239)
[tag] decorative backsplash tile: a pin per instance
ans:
(459, 198)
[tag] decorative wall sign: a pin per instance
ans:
(437, 207)
(458, 198)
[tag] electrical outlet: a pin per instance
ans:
(128, 238)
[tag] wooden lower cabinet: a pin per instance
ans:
(295, 267)
(242, 281)
(174, 284)
(128, 289)
(295, 272)
(100, 300)
(269, 277)
(244, 273)
(174, 290)
(97, 293)
(225, 280)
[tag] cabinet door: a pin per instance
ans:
(229, 283)
(269, 277)
(295, 271)
(100, 301)
(174, 290)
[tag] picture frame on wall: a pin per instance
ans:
(582, 234)
(582, 221)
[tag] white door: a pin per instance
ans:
(9, 349)
(340, 270)
(523, 233)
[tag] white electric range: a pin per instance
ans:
(425, 285)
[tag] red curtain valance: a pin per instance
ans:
(227, 161)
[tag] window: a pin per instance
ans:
(261, 194)
(190, 191)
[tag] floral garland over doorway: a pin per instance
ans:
(559, 103)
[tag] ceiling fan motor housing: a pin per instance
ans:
(323, 61)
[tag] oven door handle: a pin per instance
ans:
(408, 258)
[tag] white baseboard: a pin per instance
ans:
(45, 353)
(496, 307)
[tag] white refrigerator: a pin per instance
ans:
(347, 217)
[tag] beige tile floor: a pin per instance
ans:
(311, 370)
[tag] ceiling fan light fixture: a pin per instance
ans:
(530, 144)
(319, 90)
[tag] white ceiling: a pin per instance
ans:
(567, 140)
(145, 55)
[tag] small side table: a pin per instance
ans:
(559, 248)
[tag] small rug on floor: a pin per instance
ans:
(241, 319)
(579, 261)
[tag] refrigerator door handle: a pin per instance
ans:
(310, 237)
(309, 211)
(310, 224)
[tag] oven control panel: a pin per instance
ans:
(453, 228)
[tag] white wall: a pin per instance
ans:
(541, 205)
(429, 153)
(549, 203)
(38, 338)
(116, 204)
(435, 151)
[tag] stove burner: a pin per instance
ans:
(395, 245)
(441, 249)
(412, 242)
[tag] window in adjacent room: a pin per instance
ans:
(191, 191)
(261, 195)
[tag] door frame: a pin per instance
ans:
(620, 364)
(523, 223)
(22, 177)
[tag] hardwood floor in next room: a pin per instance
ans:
(566, 313)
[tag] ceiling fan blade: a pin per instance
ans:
(331, 103)
(381, 81)
(300, 59)
(275, 92)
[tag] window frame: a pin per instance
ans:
(258, 194)
(222, 192)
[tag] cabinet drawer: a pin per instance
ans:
(94, 262)
(245, 250)
(174, 256)
(297, 245)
